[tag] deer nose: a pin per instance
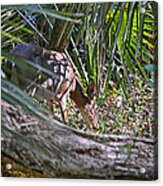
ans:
(96, 126)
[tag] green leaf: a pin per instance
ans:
(150, 67)
(15, 38)
(49, 12)
(152, 84)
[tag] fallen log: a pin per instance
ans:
(50, 149)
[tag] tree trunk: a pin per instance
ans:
(48, 148)
(62, 29)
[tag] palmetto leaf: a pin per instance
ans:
(111, 38)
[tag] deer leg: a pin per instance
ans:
(50, 104)
(63, 108)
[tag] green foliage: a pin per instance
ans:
(150, 67)
(113, 45)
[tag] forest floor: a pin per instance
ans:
(135, 116)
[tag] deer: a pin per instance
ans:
(54, 80)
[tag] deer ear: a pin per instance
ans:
(91, 90)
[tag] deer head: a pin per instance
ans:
(86, 104)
